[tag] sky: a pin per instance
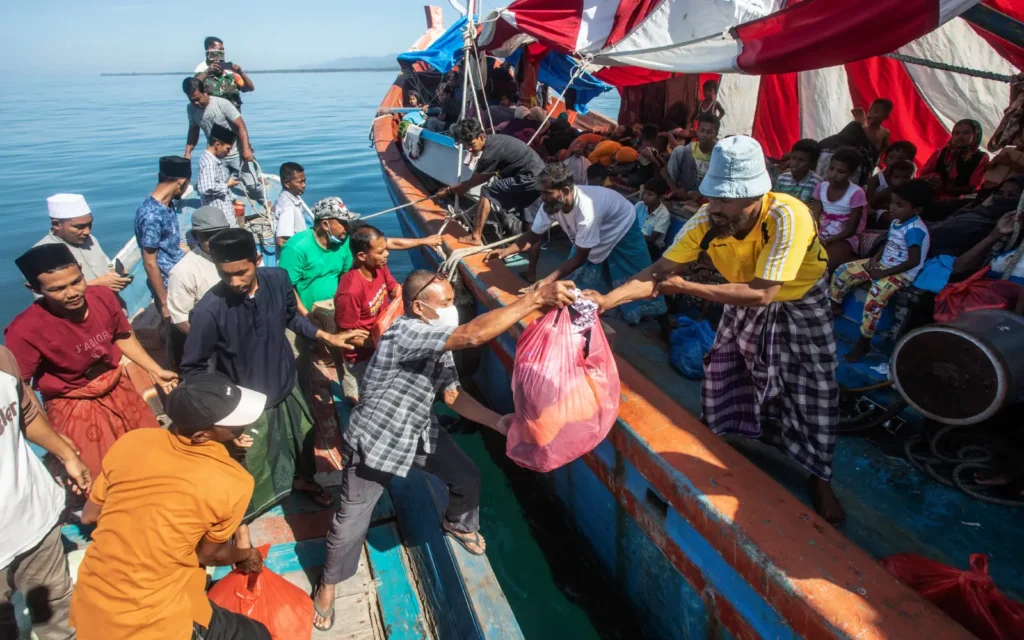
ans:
(93, 36)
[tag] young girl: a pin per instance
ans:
(838, 206)
(710, 102)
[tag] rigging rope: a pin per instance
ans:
(952, 68)
(577, 72)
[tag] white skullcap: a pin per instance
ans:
(64, 206)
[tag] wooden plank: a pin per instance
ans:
(400, 607)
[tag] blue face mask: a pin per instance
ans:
(333, 239)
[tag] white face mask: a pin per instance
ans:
(447, 317)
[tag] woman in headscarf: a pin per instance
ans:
(958, 168)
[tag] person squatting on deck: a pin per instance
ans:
(32, 556)
(608, 244)
(70, 342)
(514, 165)
(71, 224)
(771, 371)
(393, 429)
(167, 505)
(242, 320)
(214, 184)
(203, 112)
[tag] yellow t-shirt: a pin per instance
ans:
(141, 578)
(701, 159)
(782, 247)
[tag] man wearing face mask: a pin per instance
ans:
(222, 78)
(393, 429)
(771, 371)
(242, 320)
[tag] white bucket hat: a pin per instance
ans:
(736, 170)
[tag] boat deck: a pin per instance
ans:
(891, 506)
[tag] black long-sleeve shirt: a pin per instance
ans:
(247, 335)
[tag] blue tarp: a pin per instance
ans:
(444, 53)
(555, 69)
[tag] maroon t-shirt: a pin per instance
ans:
(56, 352)
(358, 302)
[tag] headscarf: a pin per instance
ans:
(604, 152)
(625, 155)
(522, 112)
(537, 114)
(1011, 128)
(964, 161)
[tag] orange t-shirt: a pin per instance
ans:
(141, 578)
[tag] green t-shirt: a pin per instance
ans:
(314, 271)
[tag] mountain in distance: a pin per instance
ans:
(384, 63)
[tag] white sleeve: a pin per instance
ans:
(201, 67)
(541, 222)
(662, 221)
(588, 232)
(286, 224)
(180, 300)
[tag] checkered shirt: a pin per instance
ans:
(402, 379)
(802, 191)
(213, 186)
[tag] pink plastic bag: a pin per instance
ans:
(565, 404)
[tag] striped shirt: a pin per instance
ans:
(213, 186)
(782, 247)
(802, 191)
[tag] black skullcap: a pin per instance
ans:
(222, 134)
(232, 245)
(176, 167)
(44, 258)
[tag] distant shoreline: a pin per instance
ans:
(188, 73)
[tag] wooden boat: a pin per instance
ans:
(709, 538)
(413, 582)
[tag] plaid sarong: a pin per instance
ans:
(772, 374)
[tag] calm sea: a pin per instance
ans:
(101, 137)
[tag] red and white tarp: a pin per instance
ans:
(791, 69)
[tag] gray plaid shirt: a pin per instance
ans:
(402, 379)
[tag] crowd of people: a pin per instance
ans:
(784, 250)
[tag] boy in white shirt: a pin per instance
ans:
(288, 218)
(653, 216)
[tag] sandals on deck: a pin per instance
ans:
(464, 540)
(328, 615)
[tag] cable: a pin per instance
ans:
(952, 68)
(577, 72)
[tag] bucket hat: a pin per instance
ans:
(736, 170)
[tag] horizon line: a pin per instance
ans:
(188, 73)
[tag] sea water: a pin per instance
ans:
(102, 137)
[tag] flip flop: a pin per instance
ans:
(329, 614)
(465, 542)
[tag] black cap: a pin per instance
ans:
(175, 167)
(45, 257)
(208, 399)
(222, 134)
(231, 245)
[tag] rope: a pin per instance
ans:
(577, 72)
(401, 206)
(449, 268)
(480, 76)
(952, 68)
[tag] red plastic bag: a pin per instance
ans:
(969, 597)
(565, 403)
(972, 294)
(286, 610)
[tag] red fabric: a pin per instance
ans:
(777, 115)
(822, 33)
(975, 293)
(358, 302)
(969, 597)
(1013, 53)
(555, 23)
(630, 76)
(286, 610)
(628, 15)
(565, 403)
(96, 415)
(911, 120)
(57, 351)
(930, 169)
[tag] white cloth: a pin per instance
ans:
(288, 218)
(901, 237)
(187, 283)
(657, 222)
(202, 67)
(411, 143)
(578, 165)
(64, 206)
(599, 219)
(32, 501)
(89, 254)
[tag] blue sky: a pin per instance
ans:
(90, 36)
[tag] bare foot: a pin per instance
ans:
(323, 607)
(825, 501)
(471, 240)
(858, 351)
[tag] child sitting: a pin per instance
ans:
(653, 216)
(597, 175)
(880, 189)
(687, 165)
(897, 152)
(893, 267)
(838, 206)
(649, 162)
(799, 181)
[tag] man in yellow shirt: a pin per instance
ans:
(771, 371)
(167, 504)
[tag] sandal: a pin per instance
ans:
(465, 540)
(320, 496)
(326, 615)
